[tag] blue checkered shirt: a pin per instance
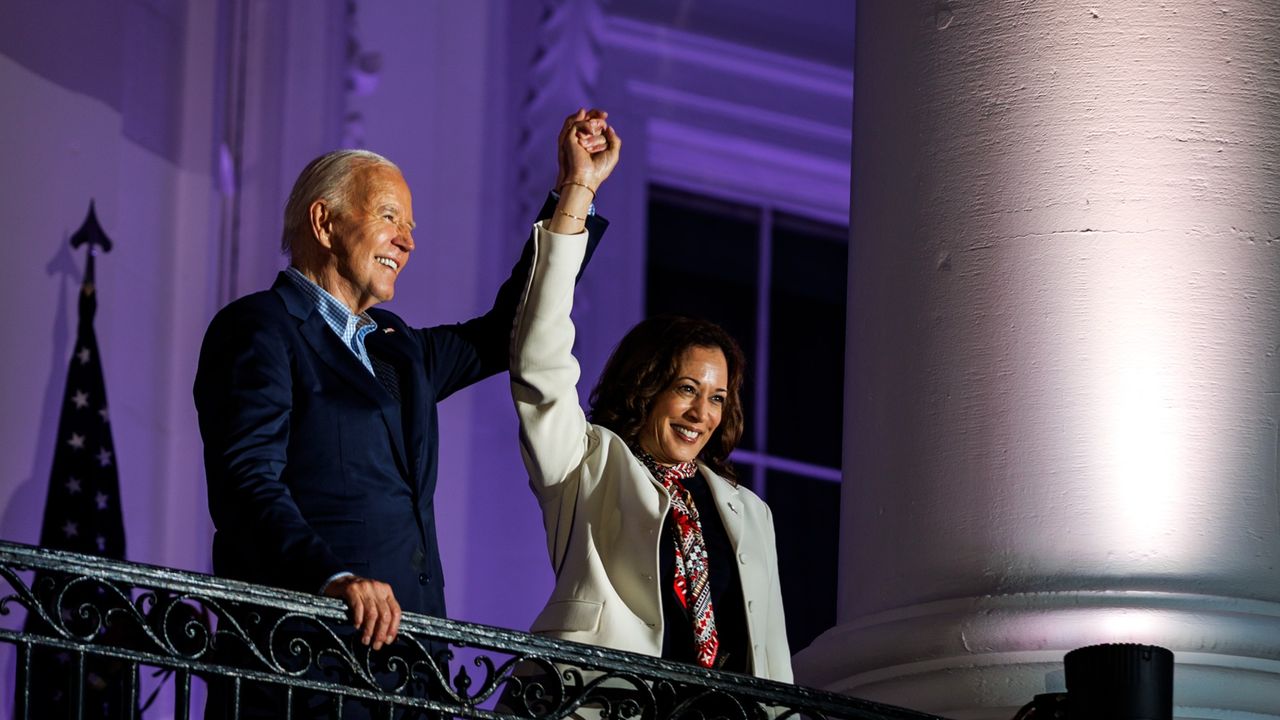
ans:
(351, 329)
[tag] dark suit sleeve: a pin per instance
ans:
(462, 354)
(244, 395)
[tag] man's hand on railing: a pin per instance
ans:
(373, 606)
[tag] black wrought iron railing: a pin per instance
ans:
(84, 629)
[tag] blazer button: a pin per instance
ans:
(423, 578)
(749, 606)
(742, 558)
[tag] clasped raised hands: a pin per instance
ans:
(587, 149)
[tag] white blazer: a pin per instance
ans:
(601, 507)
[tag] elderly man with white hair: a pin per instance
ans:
(318, 409)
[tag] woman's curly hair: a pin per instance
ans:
(645, 364)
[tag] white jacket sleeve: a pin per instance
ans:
(544, 373)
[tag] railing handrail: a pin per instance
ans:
(200, 587)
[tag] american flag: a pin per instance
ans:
(82, 512)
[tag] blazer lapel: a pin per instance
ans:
(728, 504)
(326, 345)
(753, 570)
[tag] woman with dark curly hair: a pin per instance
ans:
(655, 547)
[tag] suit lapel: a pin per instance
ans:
(329, 348)
(394, 344)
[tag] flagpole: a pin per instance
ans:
(82, 513)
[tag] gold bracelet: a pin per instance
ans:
(575, 217)
(575, 182)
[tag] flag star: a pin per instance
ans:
(104, 457)
(73, 485)
(81, 399)
(76, 441)
(83, 355)
(101, 500)
(102, 544)
(70, 529)
(103, 413)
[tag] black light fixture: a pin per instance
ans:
(1117, 681)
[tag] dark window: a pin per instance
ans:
(806, 341)
(806, 517)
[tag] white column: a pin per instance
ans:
(1063, 378)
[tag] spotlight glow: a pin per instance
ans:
(1146, 431)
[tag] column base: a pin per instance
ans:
(984, 657)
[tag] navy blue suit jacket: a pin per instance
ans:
(312, 467)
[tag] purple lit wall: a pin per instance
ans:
(186, 122)
(112, 122)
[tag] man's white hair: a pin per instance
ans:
(325, 178)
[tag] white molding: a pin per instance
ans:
(761, 65)
(778, 145)
(978, 657)
(735, 167)
(704, 105)
(563, 75)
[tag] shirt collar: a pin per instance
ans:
(348, 326)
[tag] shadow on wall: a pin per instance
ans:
(21, 517)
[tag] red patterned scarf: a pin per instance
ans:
(692, 579)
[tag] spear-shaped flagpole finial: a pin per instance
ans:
(91, 232)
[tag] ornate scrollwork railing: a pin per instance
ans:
(82, 626)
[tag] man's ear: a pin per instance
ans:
(321, 223)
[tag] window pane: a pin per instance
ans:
(746, 471)
(806, 342)
(806, 517)
(702, 261)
